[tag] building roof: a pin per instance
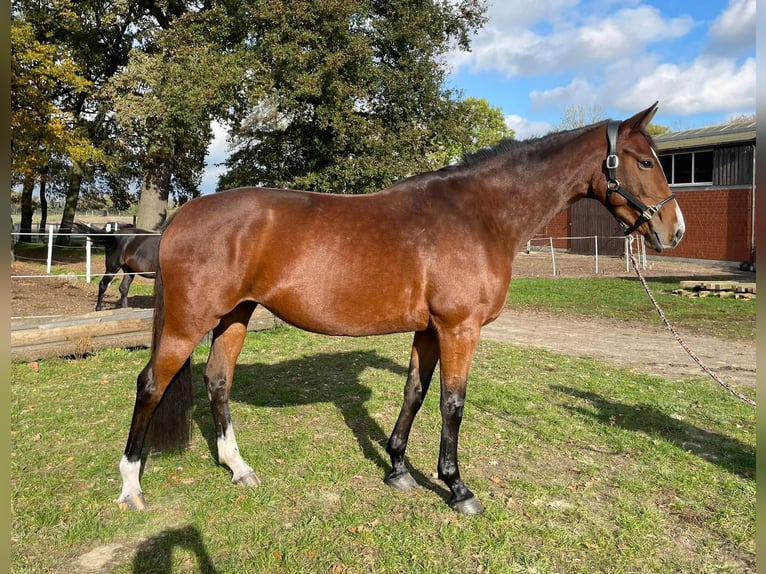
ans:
(733, 133)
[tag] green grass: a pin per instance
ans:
(582, 467)
(625, 299)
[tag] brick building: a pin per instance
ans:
(712, 172)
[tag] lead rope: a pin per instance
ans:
(685, 347)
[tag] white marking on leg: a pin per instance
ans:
(130, 472)
(228, 454)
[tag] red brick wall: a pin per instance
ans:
(556, 227)
(718, 224)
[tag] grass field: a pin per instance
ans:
(582, 467)
(626, 300)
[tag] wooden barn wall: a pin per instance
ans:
(733, 166)
(589, 218)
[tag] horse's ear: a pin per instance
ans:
(641, 120)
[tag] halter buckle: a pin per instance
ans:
(612, 161)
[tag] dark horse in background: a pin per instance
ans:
(134, 250)
(432, 254)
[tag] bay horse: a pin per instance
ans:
(432, 254)
(134, 250)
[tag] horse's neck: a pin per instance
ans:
(522, 198)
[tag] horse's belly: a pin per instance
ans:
(351, 315)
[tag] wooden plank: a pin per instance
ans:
(745, 288)
(42, 338)
(47, 349)
(80, 334)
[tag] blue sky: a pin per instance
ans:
(533, 60)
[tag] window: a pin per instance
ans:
(688, 168)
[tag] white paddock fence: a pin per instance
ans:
(542, 245)
(546, 244)
(48, 238)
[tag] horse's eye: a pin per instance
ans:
(646, 163)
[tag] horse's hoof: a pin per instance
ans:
(249, 479)
(468, 506)
(403, 481)
(132, 502)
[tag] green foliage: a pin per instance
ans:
(476, 125)
(188, 71)
(657, 130)
(355, 97)
(41, 126)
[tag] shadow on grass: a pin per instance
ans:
(154, 556)
(728, 453)
(319, 378)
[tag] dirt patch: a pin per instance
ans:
(35, 294)
(648, 349)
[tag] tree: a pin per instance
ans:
(96, 36)
(187, 72)
(42, 129)
(356, 95)
(577, 116)
(657, 130)
(478, 125)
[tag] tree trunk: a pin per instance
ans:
(70, 205)
(43, 200)
(27, 211)
(153, 203)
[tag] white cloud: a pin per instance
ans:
(610, 60)
(701, 86)
(539, 43)
(706, 85)
(525, 129)
(734, 30)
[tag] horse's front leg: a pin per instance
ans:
(423, 359)
(228, 338)
(457, 349)
(127, 279)
(102, 285)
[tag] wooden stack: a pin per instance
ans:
(723, 289)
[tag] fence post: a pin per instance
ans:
(627, 254)
(643, 253)
(88, 244)
(553, 257)
(595, 239)
(50, 249)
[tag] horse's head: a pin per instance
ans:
(633, 185)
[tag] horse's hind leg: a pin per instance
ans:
(228, 338)
(423, 359)
(127, 279)
(167, 362)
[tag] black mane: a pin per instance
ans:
(510, 145)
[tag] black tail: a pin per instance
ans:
(170, 427)
(100, 237)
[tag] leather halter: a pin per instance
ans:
(613, 185)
